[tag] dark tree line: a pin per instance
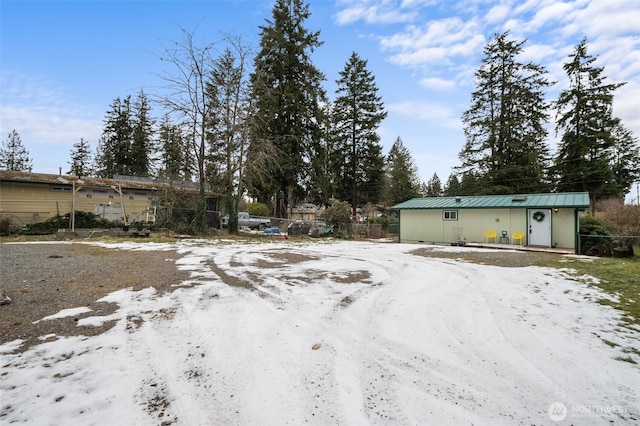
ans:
(257, 122)
(507, 150)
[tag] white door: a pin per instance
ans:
(540, 227)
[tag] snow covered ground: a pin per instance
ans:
(349, 333)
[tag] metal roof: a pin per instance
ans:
(560, 199)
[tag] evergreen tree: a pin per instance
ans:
(472, 183)
(173, 162)
(13, 155)
(625, 160)
(359, 111)
(504, 126)
(424, 189)
(81, 159)
(325, 161)
(453, 187)
(142, 144)
(585, 159)
(113, 155)
(287, 93)
(434, 187)
(402, 180)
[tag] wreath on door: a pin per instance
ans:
(538, 216)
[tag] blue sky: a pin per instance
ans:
(64, 62)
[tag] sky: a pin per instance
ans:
(64, 62)
(328, 333)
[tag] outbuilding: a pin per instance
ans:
(545, 220)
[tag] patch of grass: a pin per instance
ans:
(627, 359)
(618, 277)
(21, 238)
(609, 343)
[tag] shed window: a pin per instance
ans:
(450, 215)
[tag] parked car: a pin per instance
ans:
(244, 220)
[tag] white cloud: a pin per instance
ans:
(497, 14)
(609, 17)
(537, 52)
(556, 11)
(375, 11)
(40, 125)
(626, 105)
(434, 43)
(439, 114)
(46, 120)
(436, 83)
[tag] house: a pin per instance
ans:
(547, 220)
(28, 198)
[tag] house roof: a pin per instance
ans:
(129, 182)
(560, 199)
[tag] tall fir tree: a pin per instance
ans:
(113, 156)
(286, 96)
(13, 154)
(80, 164)
(142, 143)
(452, 187)
(505, 126)
(402, 180)
(359, 111)
(625, 160)
(434, 187)
(591, 136)
(325, 160)
(173, 164)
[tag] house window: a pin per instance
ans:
(450, 215)
(61, 188)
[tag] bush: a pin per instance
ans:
(83, 219)
(624, 219)
(257, 209)
(384, 221)
(339, 215)
(595, 236)
(5, 224)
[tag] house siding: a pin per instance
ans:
(421, 219)
(563, 228)
(27, 203)
(428, 225)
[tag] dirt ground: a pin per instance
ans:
(42, 279)
(506, 258)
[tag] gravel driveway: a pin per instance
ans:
(43, 278)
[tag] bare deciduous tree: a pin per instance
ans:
(186, 97)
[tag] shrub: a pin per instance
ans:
(623, 218)
(86, 220)
(595, 236)
(623, 221)
(5, 224)
(257, 209)
(339, 215)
